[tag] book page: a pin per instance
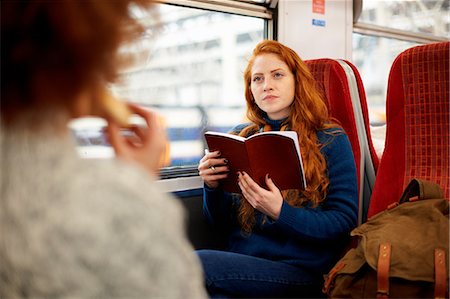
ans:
(226, 135)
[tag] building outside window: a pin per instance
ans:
(190, 70)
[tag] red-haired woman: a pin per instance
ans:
(280, 243)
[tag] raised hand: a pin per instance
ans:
(147, 147)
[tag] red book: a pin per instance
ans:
(276, 153)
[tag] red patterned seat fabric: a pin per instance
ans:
(417, 115)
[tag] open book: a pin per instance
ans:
(276, 153)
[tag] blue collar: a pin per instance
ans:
(274, 124)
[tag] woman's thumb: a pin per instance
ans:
(270, 184)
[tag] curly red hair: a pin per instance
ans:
(308, 115)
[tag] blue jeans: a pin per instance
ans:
(231, 275)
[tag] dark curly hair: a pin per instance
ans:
(53, 50)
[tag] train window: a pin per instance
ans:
(367, 53)
(190, 67)
(424, 16)
(382, 30)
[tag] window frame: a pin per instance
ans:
(265, 11)
(388, 32)
(228, 6)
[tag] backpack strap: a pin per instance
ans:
(329, 278)
(384, 261)
(440, 275)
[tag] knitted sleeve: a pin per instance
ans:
(217, 207)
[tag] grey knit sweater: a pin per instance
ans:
(74, 228)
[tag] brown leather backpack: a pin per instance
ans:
(402, 252)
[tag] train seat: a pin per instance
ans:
(345, 98)
(372, 157)
(417, 117)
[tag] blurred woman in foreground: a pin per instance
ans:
(71, 227)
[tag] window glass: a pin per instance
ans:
(190, 70)
(373, 56)
(424, 16)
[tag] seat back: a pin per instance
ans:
(369, 157)
(417, 119)
(364, 120)
(332, 80)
